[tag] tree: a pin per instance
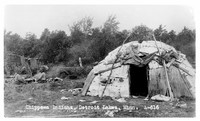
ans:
(159, 32)
(29, 44)
(108, 37)
(56, 48)
(185, 37)
(45, 35)
(141, 33)
(172, 37)
(162, 35)
(81, 29)
(120, 37)
(185, 42)
(105, 39)
(12, 43)
(111, 25)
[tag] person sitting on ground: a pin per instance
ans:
(21, 76)
(41, 76)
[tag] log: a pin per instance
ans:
(88, 82)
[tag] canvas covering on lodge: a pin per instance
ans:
(132, 57)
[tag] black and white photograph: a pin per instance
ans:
(99, 61)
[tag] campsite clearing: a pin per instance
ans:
(137, 76)
(41, 100)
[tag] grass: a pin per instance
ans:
(17, 97)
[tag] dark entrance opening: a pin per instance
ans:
(138, 80)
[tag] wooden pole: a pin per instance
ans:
(167, 78)
(165, 69)
(80, 62)
(184, 81)
(102, 71)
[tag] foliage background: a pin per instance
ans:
(90, 43)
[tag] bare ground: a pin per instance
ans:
(44, 100)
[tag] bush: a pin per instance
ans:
(54, 71)
(62, 71)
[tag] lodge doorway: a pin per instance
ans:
(138, 80)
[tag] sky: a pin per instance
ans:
(22, 19)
